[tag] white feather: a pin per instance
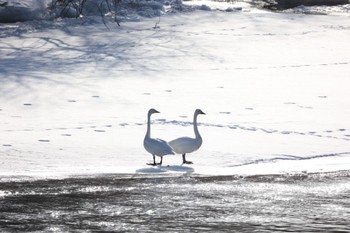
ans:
(155, 146)
(184, 145)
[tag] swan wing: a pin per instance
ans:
(184, 145)
(157, 146)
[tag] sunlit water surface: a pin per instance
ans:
(293, 203)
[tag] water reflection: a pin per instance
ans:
(152, 204)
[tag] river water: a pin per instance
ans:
(178, 203)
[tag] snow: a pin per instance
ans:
(274, 87)
(16, 10)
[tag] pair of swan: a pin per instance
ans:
(183, 145)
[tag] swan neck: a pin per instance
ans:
(195, 127)
(148, 133)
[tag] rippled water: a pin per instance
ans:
(293, 203)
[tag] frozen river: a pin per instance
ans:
(285, 203)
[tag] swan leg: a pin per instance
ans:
(184, 160)
(154, 161)
(161, 160)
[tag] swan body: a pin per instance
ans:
(186, 145)
(155, 146)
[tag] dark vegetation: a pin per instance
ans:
(287, 4)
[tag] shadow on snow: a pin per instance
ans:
(162, 169)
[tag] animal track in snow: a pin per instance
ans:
(100, 130)
(291, 157)
(321, 134)
(43, 140)
(307, 107)
(66, 135)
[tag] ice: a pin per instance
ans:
(274, 87)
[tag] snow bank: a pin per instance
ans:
(274, 87)
(326, 10)
(16, 10)
(133, 10)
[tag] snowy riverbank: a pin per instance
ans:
(74, 96)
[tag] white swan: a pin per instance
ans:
(186, 145)
(155, 146)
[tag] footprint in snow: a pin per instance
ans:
(285, 132)
(306, 107)
(123, 124)
(8, 145)
(269, 130)
(250, 129)
(71, 101)
(225, 113)
(43, 140)
(66, 135)
(146, 93)
(168, 91)
(100, 130)
(27, 104)
(95, 96)
(249, 109)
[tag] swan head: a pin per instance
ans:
(198, 111)
(151, 111)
